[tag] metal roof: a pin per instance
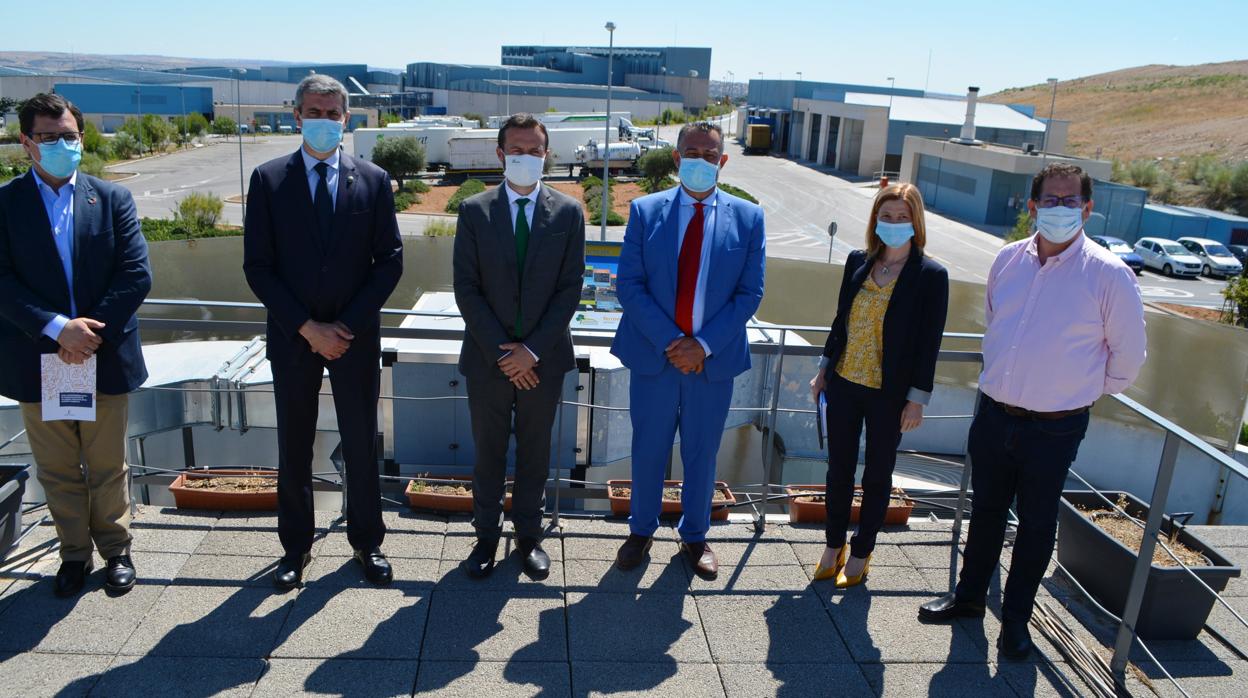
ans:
(1210, 213)
(951, 112)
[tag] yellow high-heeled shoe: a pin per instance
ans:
(844, 582)
(822, 573)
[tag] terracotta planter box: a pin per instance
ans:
(439, 501)
(816, 512)
(194, 498)
(620, 505)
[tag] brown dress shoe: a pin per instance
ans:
(633, 552)
(703, 559)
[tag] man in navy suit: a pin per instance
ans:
(73, 272)
(322, 252)
(690, 278)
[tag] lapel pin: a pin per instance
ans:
(91, 200)
(350, 180)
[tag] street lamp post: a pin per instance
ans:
(238, 126)
(606, 146)
(508, 91)
(138, 109)
(1048, 126)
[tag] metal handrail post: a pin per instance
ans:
(958, 513)
(760, 516)
(554, 521)
(1139, 575)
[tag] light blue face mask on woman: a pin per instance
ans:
(322, 135)
(894, 234)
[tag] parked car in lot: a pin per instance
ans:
(1215, 259)
(1124, 251)
(1240, 252)
(1168, 257)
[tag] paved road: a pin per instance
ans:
(799, 201)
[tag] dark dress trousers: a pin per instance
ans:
(346, 277)
(913, 325)
(111, 278)
(489, 289)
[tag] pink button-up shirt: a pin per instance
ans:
(1062, 335)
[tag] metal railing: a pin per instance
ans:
(1175, 436)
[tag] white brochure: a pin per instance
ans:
(68, 389)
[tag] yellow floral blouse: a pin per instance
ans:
(864, 346)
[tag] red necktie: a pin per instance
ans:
(687, 271)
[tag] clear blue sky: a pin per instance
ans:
(993, 44)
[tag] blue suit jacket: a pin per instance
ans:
(295, 277)
(646, 284)
(111, 279)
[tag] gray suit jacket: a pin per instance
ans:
(488, 289)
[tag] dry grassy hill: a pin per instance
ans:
(1150, 111)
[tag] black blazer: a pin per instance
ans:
(111, 279)
(487, 288)
(913, 324)
(299, 280)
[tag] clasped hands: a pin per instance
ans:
(78, 340)
(686, 354)
(329, 339)
(519, 364)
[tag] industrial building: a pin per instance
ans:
(1173, 222)
(644, 81)
(108, 105)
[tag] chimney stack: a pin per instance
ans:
(967, 137)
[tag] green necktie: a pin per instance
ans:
(522, 248)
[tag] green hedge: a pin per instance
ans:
(415, 186)
(467, 189)
(405, 200)
(738, 192)
(160, 229)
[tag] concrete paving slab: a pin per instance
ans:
(227, 541)
(580, 547)
(508, 574)
(354, 624)
(234, 622)
(754, 552)
(398, 544)
(496, 625)
(35, 674)
(793, 680)
(887, 581)
(1216, 678)
(178, 676)
(1044, 680)
(376, 678)
(227, 571)
(938, 680)
(776, 629)
(91, 623)
(457, 546)
(809, 554)
(642, 680)
(881, 628)
(338, 572)
(635, 628)
(604, 575)
(751, 578)
(504, 679)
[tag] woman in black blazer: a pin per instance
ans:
(878, 368)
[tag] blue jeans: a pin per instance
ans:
(1023, 459)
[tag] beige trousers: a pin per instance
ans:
(82, 468)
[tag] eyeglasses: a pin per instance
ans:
(1075, 201)
(49, 137)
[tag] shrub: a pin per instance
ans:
(160, 229)
(402, 157)
(440, 228)
(1143, 173)
(405, 200)
(416, 186)
(737, 192)
(475, 116)
(124, 146)
(92, 164)
(1022, 227)
(92, 140)
(593, 199)
(200, 210)
(467, 189)
(1235, 310)
(224, 126)
(656, 167)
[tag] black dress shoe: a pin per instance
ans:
(376, 568)
(119, 574)
(71, 576)
(480, 562)
(633, 552)
(948, 607)
(1015, 639)
(289, 573)
(536, 561)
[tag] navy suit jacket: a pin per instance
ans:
(111, 279)
(295, 277)
(646, 284)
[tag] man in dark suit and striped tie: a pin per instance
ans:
(519, 262)
(322, 252)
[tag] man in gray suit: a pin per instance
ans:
(519, 261)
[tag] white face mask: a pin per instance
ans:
(524, 170)
(1059, 224)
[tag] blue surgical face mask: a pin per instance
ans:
(698, 175)
(322, 135)
(60, 159)
(1059, 224)
(894, 234)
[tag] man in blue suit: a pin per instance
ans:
(322, 252)
(73, 272)
(690, 277)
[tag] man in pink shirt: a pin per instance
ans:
(1065, 326)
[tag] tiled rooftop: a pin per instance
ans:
(205, 620)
